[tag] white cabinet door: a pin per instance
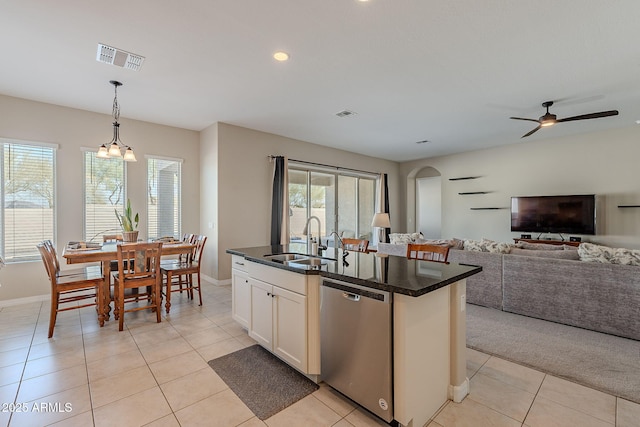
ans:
(240, 297)
(290, 327)
(261, 321)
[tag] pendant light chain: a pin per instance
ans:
(116, 146)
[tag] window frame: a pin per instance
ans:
(179, 162)
(54, 149)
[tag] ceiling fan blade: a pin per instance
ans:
(522, 118)
(590, 116)
(531, 132)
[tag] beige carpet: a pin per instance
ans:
(600, 361)
(262, 381)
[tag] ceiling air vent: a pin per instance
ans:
(345, 113)
(119, 57)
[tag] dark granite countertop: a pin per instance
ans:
(388, 273)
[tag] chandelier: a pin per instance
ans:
(116, 146)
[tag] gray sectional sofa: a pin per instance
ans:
(596, 296)
(601, 297)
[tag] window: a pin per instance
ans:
(163, 197)
(28, 198)
(104, 184)
(346, 207)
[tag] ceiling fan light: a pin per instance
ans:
(129, 156)
(547, 123)
(114, 150)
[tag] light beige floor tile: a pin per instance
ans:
(165, 350)
(11, 374)
(307, 411)
(207, 336)
(433, 424)
(82, 420)
(223, 409)
(109, 350)
(166, 421)
(12, 357)
(14, 343)
(589, 401)
(177, 366)
(55, 346)
(55, 382)
(192, 324)
(8, 393)
(220, 348)
(152, 337)
(233, 329)
(246, 340)
(4, 418)
(627, 413)
(342, 423)
(510, 401)
(54, 408)
(470, 413)
(546, 413)
(56, 362)
(115, 365)
(475, 360)
(136, 410)
(253, 422)
(361, 418)
(110, 389)
(512, 374)
(192, 388)
(334, 400)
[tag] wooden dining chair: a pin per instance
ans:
(109, 238)
(69, 288)
(48, 244)
(356, 245)
(138, 269)
(427, 252)
(184, 269)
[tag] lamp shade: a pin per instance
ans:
(381, 219)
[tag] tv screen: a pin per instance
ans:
(554, 214)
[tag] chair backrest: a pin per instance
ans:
(358, 245)
(139, 260)
(48, 244)
(112, 238)
(47, 259)
(427, 252)
(199, 241)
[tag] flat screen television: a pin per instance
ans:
(554, 214)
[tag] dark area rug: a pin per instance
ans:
(600, 361)
(262, 381)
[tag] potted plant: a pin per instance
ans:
(128, 223)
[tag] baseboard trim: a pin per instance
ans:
(458, 392)
(25, 300)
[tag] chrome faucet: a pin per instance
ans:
(307, 231)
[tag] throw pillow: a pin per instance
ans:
(457, 243)
(539, 246)
(590, 252)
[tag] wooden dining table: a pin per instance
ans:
(107, 253)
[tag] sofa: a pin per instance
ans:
(560, 284)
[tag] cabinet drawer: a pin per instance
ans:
(289, 280)
(239, 263)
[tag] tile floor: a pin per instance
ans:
(163, 378)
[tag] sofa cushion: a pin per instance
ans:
(539, 246)
(404, 238)
(590, 252)
(486, 245)
(572, 255)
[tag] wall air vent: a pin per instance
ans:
(119, 57)
(345, 113)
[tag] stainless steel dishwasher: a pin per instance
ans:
(356, 344)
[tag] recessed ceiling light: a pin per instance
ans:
(281, 56)
(638, 122)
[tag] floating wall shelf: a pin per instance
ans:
(629, 206)
(463, 177)
(467, 193)
(486, 209)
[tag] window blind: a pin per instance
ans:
(104, 184)
(163, 197)
(28, 199)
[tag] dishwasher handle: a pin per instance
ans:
(351, 297)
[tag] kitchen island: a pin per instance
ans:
(276, 296)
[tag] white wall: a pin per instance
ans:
(603, 163)
(72, 129)
(244, 180)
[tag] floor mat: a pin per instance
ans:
(262, 381)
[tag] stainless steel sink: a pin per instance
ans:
(287, 257)
(312, 261)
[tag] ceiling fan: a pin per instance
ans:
(549, 119)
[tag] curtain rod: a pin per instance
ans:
(271, 157)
